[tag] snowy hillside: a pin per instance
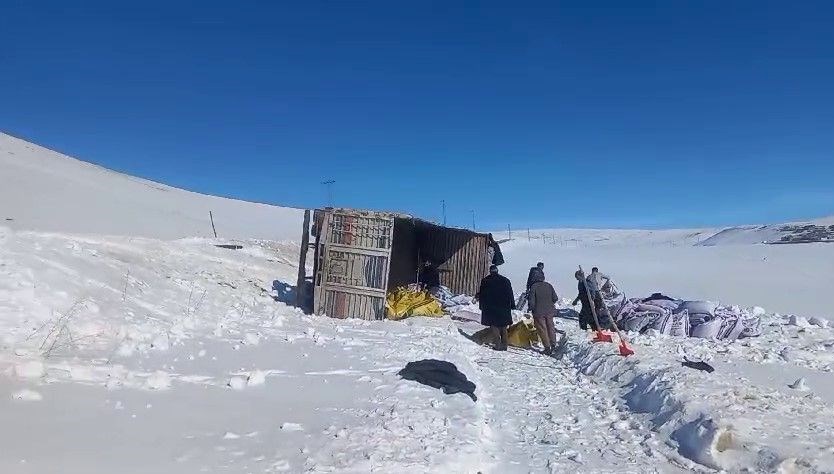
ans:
(816, 230)
(583, 238)
(47, 191)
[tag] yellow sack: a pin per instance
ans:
(402, 303)
(522, 334)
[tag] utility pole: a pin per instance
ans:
(473, 219)
(443, 203)
(329, 183)
(509, 232)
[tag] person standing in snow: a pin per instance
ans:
(495, 298)
(598, 281)
(534, 275)
(542, 299)
(429, 277)
(586, 318)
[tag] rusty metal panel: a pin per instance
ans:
(462, 256)
(354, 253)
(349, 304)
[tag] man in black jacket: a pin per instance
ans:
(586, 319)
(496, 301)
(429, 277)
(536, 274)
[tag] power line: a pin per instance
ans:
(329, 184)
(443, 202)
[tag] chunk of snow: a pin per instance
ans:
(161, 343)
(27, 395)
(800, 385)
(252, 339)
(230, 435)
(159, 380)
(126, 349)
(819, 322)
(798, 321)
(291, 427)
(32, 369)
(236, 383)
(256, 377)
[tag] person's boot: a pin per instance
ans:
(504, 337)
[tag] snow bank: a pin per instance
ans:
(714, 419)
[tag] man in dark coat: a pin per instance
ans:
(586, 319)
(534, 275)
(429, 277)
(495, 299)
(542, 299)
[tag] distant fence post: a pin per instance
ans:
(211, 217)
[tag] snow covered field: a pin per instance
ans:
(128, 354)
(135, 354)
(782, 278)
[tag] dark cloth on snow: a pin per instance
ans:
(496, 301)
(429, 277)
(439, 374)
(541, 299)
(699, 365)
(536, 274)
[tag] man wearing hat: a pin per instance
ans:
(496, 301)
(429, 276)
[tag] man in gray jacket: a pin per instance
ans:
(542, 299)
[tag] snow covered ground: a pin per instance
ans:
(122, 350)
(125, 354)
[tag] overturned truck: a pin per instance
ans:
(359, 256)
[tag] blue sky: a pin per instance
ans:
(613, 114)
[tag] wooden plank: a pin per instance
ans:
(302, 262)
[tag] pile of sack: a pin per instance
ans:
(677, 317)
(449, 301)
(410, 301)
